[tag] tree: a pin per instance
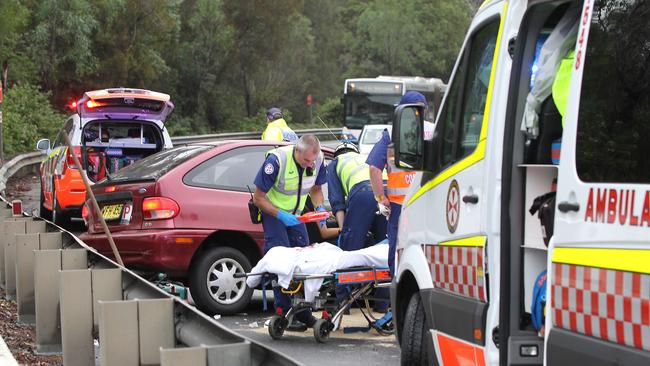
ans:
(13, 22)
(61, 43)
(273, 47)
(28, 116)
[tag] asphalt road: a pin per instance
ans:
(360, 348)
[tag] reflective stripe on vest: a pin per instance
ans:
(284, 192)
(352, 169)
(399, 181)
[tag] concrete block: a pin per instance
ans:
(47, 264)
(52, 240)
(11, 229)
(35, 226)
(74, 259)
(195, 356)
(26, 244)
(238, 354)
(118, 333)
(107, 286)
(76, 317)
(156, 319)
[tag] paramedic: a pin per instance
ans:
(351, 197)
(380, 157)
(288, 175)
(277, 129)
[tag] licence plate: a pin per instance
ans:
(112, 212)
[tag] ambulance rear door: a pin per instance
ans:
(598, 303)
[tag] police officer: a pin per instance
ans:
(352, 200)
(288, 175)
(399, 181)
(277, 129)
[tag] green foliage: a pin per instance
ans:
(331, 112)
(28, 117)
(224, 62)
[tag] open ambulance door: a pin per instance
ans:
(598, 299)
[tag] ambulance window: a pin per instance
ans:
(614, 111)
(462, 116)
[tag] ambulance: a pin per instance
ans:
(547, 111)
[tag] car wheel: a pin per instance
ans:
(59, 216)
(213, 284)
(44, 212)
(413, 349)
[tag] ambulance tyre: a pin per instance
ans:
(413, 347)
(213, 286)
(59, 216)
(44, 212)
(276, 326)
(322, 329)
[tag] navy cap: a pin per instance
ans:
(413, 97)
(274, 113)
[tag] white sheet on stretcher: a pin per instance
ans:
(317, 258)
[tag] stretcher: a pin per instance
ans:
(359, 284)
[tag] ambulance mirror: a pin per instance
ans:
(407, 138)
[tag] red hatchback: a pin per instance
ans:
(184, 211)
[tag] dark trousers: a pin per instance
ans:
(361, 217)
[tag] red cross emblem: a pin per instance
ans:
(453, 206)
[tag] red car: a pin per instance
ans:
(184, 212)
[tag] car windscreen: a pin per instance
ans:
(157, 165)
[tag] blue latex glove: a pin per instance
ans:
(288, 219)
(321, 209)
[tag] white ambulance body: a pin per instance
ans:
(469, 252)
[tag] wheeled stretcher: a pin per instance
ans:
(359, 284)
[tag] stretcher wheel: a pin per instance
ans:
(276, 326)
(322, 329)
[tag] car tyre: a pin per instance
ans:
(44, 212)
(59, 217)
(413, 347)
(214, 287)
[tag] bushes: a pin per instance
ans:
(27, 117)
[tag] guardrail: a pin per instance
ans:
(320, 132)
(18, 162)
(75, 297)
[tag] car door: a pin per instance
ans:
(52, 165)
(453, 201)
(599, 272)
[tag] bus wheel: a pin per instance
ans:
(413, 345)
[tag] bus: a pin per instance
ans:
(372, 101)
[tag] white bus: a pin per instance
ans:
(372, 101)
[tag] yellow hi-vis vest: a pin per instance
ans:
(351, 169)
(561, 84)
(279, 131)
(285, 192)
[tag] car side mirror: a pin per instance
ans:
(43, 144)
(408, 136)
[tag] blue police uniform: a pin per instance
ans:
(378, 158)
(275, 232)
(359, 209)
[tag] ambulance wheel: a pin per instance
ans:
(44, 212)
(59, 216)
(213, 284)
(413, 347)
(276, 326)
(322, 330)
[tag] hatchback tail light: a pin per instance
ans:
(69, 161)
(159, 208)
